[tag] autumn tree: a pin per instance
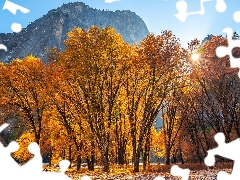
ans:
(174, 117)
(213, 103)
(220, 86)
(96, 61)
(24, 86)
(156, 67)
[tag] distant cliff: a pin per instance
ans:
(50, 30)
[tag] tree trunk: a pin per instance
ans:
(144, 159)
(90, 163)
(121, 152)
(181, 157)
(199, 156)
(136, 153)
(167, 156)
(105, 160)
(174, 159)
(146, 153)
(136, 158)
(50, 158)
(64, 154)
(79, 162)
(91, 159)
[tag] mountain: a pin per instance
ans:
(50, 30)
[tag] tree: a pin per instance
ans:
(96, 61)
(221, 86)
(174, 117)
(155, 70)
(24, 86)
(213, 101)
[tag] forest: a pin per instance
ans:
(97, 100)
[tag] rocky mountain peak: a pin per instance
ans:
(50, 30)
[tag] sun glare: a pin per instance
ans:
(195, 57)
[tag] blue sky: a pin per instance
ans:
(157, 14)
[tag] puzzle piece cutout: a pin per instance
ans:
(110, 1)
(32, 169)
(222, 51)
(236, 16)
(34, 166)
(159, 178)
(227, 150)
(85, 178)
(9, 163)
(2, 46)
(3, 126)
(12, 7)
(182, 9)
(177, 171)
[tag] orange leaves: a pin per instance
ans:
(99, 94)
(22, 154)
(24, 88)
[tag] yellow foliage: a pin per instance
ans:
(23, 154)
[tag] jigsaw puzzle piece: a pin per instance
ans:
(182, 10)
(64, 164)
(5, 156)
(221, 6)
(177, 171)
(53, 175)
(8, 164)
(32, 169)
(236, 16)
(88, 178)
(3, 126)
(156, 178)
(222, 51)
(34, 165)
(182, 6)
(227, 150)
(210, 159)
(2, 46)
(12, 7)
(222, 175)
(16, 27)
